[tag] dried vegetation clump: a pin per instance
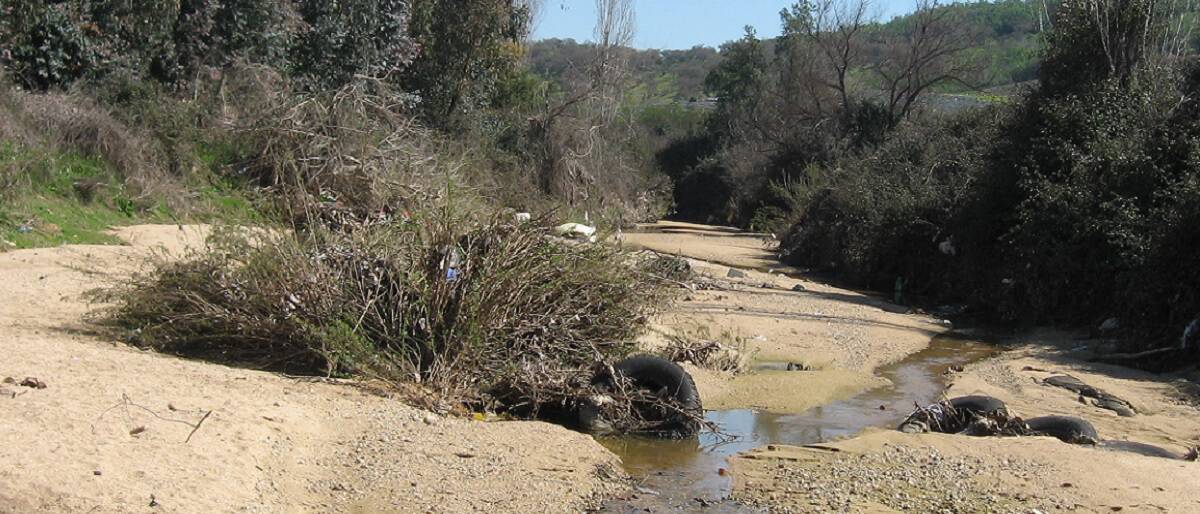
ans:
(725, 353)
(474, 310)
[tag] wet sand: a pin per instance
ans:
(888, 471)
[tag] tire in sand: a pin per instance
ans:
(1066, 428)
(666, 380)
(978, 405)
(960, 415)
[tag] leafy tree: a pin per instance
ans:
(347, 38)
(46, 47)
(738, 82)
(465, 48)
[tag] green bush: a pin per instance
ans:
(48, 49)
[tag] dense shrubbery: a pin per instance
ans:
(1074, 205)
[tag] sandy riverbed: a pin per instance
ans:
(887, 471)
(841, 335)
(846, 336)
(110, 431)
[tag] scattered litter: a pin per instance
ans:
(1110, 324)
(522, 217)
(799, 288)
(137, 430)
(24, 229)
(947, 247)
(645, 490)
(576, 230)
(949, 310)
(1190, 334)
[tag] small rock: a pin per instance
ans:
(33, 382)
(799, 288)
(430, 419)
(97, 473)
(735, 273)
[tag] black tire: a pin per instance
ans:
(1068, 429)
(668, 380)
(978, 405)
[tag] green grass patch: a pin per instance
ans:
(42, 221)
(50, 198)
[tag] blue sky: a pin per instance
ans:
(676, 24)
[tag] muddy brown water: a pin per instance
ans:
(685, 476)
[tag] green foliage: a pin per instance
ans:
(669, 75)
(48, 49)
(466, 47)
(352, 38)
(1076, 204)
(58, 198)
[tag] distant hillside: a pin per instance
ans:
(1007, 43)
(1007, 38)
(658, 74)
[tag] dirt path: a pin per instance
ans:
(110, 432)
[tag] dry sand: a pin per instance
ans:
(110, 432)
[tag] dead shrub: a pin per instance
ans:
(352, 147)
(458, 305)
(725, 353)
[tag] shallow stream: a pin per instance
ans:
(685, 476)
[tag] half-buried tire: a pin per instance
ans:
(665, 380)
(979, 405)
(1066, 428)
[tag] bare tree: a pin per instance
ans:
(576, 154)
(827, 35)
(927, 56)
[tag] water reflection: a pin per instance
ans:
(681, 471)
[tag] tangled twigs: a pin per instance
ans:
(126, 403)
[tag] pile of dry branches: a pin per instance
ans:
(461, 306)
(726, 353)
